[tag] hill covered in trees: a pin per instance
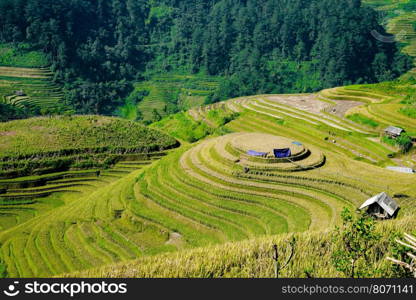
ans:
(99, 48)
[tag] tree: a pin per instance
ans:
(156, 115)
(139, 115)
(353, 244)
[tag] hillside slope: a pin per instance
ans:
(26, 83)
(211, 192)
(253, 258)
(52, 164)
(400, 20)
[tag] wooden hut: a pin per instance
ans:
(20, 93)
(394, 132)
(381, 206)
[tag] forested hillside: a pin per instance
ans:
(99, 48)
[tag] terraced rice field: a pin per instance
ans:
(50, 212)
(177, 91)
(201, 194)
(330, 130)
(384, 109)
(54, 218)
(30, 89)
(211, 192)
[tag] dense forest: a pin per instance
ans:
(97, 48)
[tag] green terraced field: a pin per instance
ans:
(30, 89)
(62, 156)
(172, 92)
(383, 104)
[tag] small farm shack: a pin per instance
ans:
(381, 206)
(20, 93)
(394, 132)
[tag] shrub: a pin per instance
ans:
(409, 111)
(354, 241)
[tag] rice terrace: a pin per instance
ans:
(115, 167)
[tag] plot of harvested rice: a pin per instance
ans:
(265, 143)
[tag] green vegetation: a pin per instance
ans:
(26, 92)
(251, 258)
(77, 132)
(385, 103)
(69, 159)
(183, 127)
(404, 142)
(168, 94)
(409, 111)
(22, 56)
(221, 117)
(250, 44)
(167, 206)
(358, 118)
(354, 242)
(61, 143)
(103, 196)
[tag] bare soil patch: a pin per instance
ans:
(307, 103)
(8, 133)
(310, 103)
(264, 143)
(342, 107)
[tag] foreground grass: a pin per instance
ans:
(253, 258)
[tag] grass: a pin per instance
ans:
(66, 133)
(358, 118)
(252, 259)
(384, 104)
(409, 111)
(183, 127)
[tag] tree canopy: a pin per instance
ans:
(98, 47)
